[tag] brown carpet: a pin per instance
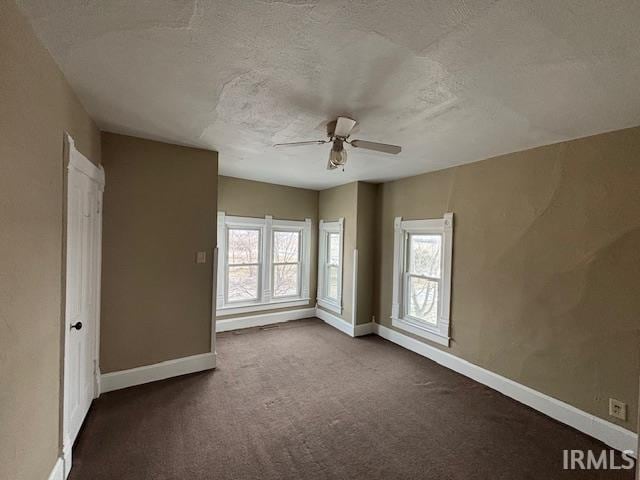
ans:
(304, 401)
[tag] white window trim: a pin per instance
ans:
(439, 333)
(285, 298)
(265, 300)
(324, 229)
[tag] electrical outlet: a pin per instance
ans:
(617, 409)
(201, 257)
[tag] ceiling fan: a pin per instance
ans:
(338, 132)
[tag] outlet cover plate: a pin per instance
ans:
(617, 409)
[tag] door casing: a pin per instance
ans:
(78, 164)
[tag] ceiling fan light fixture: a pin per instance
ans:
(337, 155)
(338, 159)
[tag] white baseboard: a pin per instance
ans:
(158, 371)
(57, 473)
(67, 456)
(262, 319)
(343, 325)
(363, 329)
(334, 321)
(607, 432)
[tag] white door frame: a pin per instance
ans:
(78, 162)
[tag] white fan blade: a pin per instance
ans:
(300, 144)
(344, 126)
(378, 147)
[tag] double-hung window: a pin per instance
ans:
(422, 277)
(244, 252)
(263, 263)
(330, 258)
(286, 265)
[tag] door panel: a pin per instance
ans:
(82, 289)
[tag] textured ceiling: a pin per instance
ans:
(452, 81)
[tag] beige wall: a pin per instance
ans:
(38, 106)
(342, 202)
(356, 202)
(247, 198)
(159, 210)
(365, 243)
(546, 265)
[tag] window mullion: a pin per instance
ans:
(266, 259)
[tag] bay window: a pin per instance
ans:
(263, 263)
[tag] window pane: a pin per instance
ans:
(285, 280)
(244, 246)
(332, 282)
(423, 299)
(333, 248)
(424, 254)
(285, 247)
(243, 283)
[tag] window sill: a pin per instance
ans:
(331, 306)
(259, 307)
(429, 333)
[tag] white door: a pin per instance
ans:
(84, 219)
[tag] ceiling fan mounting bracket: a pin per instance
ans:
(340, 128)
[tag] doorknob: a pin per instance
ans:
(77, 325)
